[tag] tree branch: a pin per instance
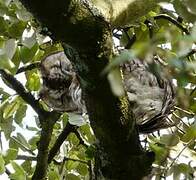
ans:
(28, 67)
(42, 157)
(47, 120)
(61, 138)
(75, 160)
(24, 147)
(23, 157)
(173, 21)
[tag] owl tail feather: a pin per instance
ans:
(156, 123)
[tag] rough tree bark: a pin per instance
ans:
(88, 30)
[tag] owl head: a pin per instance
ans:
(57, 71)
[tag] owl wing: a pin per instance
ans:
(151, 97)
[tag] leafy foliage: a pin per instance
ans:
(170, 38)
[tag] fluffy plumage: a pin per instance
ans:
(150, 96)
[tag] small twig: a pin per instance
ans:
(28, 67)
(184, 111)
(75, 160)
(23, 157)
(180, 121)
(61, 138)
(173, 21)
(193, 91)
(179, 155)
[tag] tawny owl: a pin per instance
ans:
(150, 96)
(61, 89)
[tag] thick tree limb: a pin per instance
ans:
(42, 157)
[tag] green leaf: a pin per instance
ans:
(87, 133)
(33, 82)
(33, 142)
(116, 82)
(64, 117)
(7, 127)
(169, 139)
(72, 177)
(26, 165)
(72, 164)
(16, 59)
(20, 113)
(82, 169)
(2, 165)
(190, 133)
(29, 38)
(27, 54)
(72, 138)
(16, 29)
(11, 154)
(6, 63)
(143, 27)
(90, 152)
(13, 144)
(7, 2)
(4, 26)
(124, 56)
(30, 128)
(184, 11)
(22, 140)
(4, 97)
(11, 108)
(10, 48)
(23, 15)
(53, 175)
(191, 6)
(152, 13)
(184, 168)
(19, 173)
(161, 152)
